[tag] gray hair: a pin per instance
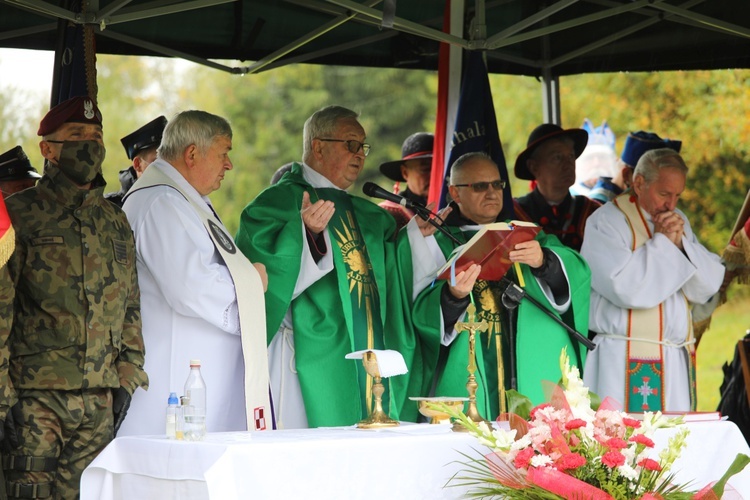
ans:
(191, 127)
(322, 124)
(460, 164)
(651, 163)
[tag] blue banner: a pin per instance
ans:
(476, 125)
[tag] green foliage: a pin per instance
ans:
(707, 110)
(518, 404)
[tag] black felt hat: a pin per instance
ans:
(145, 137)
(15, 165)
(415, 147)
(543, 133)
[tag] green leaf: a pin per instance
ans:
(518, 404)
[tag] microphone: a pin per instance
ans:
(374, 191)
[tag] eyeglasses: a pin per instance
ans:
(351, 145)
(481, 187)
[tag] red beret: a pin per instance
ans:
(81, 109)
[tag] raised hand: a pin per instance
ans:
(425, 227)
(316, 215)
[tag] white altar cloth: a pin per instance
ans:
(408, 462)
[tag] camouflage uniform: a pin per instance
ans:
(76, 334)
(7, 394)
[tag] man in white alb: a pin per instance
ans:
(200, 297)
(647, 268)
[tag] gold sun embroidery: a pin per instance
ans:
(359, 271)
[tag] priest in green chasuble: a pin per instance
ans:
(333, 284)
(553, 274)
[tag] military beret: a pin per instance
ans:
(145, 137)
(15, 165)
(81, 109)
(638, 143)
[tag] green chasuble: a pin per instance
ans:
(325, 326)
(539, 339)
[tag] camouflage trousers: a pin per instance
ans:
(61, 434)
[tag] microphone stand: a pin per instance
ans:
(511, 298)
(425, 214)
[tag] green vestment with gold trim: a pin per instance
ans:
(325, 329)
(539, 339)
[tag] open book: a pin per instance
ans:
(489, 248)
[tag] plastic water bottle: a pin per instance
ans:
(195, 411)
(173, 409)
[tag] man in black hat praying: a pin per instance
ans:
(550, 160)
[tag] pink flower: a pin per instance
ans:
(576, 423)
(542, 406)
(641, 439)
(613, 459)
(649, 464)
(523, 458)
(616, 443)
(570, 461)
(631, 422)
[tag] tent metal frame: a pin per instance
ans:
(345, 11)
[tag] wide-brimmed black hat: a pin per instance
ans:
(543, 133)
(415, 146)
(15, 165)
(148, 136)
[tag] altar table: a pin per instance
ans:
(408, 462)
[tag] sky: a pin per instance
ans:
(27, 69)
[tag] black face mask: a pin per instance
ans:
(81, 161)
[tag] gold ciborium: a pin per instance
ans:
(435, 415)
(378, 418)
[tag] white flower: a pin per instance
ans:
(504, 439)
(485, 442)
(484, 428)
(522, 443)
(628, 472)
(540, 460)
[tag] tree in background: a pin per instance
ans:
(707, 110)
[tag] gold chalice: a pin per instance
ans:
(435, 415)
(378, 418)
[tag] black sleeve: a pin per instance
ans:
(317, 245)
(552, 274)
(452, 307)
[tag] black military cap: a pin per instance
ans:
(15, 165)
(145, 137)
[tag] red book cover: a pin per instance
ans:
(489, 248)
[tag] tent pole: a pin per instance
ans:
(550, 97)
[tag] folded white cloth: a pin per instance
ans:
(390, 362)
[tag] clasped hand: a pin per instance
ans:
(671, 225)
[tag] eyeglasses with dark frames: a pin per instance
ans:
(481, 187)
(351, 145)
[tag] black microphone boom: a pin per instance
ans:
(374, 191)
